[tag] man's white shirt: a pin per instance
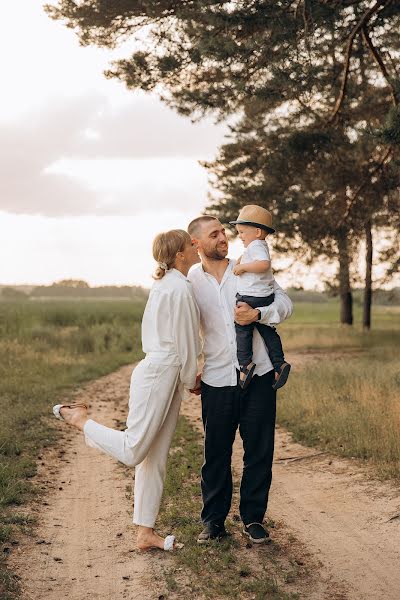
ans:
(217, 303)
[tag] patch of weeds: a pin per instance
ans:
(9, 583)
(170, 580)
(5, 533)
(268, 589)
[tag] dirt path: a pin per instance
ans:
(342, 516)
(85, 544)
(332, 506)
(85, 548)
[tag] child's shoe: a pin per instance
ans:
(281, 377)
(246, 374)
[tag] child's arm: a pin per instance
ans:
(257, 266)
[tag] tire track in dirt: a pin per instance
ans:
(84, 546)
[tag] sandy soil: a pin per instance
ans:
(85, 543)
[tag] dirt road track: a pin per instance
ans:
(84, 547)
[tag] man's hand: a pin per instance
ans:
(239, 269)
(197, 387)
(245, 314)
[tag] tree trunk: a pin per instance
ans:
(346, 298)
(368, 277)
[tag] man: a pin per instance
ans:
(225, 406)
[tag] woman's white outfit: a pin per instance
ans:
(170, 339)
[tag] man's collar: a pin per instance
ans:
(229, 265)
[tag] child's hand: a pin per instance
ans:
(239, 270)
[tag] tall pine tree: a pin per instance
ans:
(323, 73)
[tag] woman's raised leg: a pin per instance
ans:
(152, 390)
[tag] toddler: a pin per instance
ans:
(256, 288)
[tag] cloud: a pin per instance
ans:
(83, 156)
(147, 128)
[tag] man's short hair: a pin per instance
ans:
(194, 226)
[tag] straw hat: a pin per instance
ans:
(254, 215)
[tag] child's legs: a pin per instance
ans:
(273, 343)
(152, 391)
(150, 473)
(244, 333)
(244, 342)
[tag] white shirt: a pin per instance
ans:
(256, 284)
(170, 325)
(217, 303)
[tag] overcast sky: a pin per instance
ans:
(89, 172)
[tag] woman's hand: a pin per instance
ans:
(197, 387)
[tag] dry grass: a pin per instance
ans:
(349, 400)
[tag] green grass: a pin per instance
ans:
(347, 398)
(47, 349)
(315, 327)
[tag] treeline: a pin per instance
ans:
(311, 90)
(381, 297)
(74, 289)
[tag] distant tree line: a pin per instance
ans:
(72, 288)
(312, 90)
(59, 292)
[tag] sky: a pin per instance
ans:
(89, 171)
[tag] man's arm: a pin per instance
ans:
(280, 310)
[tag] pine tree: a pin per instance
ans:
(311, 78)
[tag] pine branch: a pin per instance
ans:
(356, 29)
(361, 187)
(379, 61)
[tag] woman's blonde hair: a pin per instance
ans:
(166, 245)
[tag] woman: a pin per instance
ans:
(170, 339)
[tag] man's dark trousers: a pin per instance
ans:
(224, 409)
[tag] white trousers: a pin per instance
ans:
(154, 402)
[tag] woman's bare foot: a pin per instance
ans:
(147, 538)
(75, 416)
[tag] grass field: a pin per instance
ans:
(47, 349)
(346, 398)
